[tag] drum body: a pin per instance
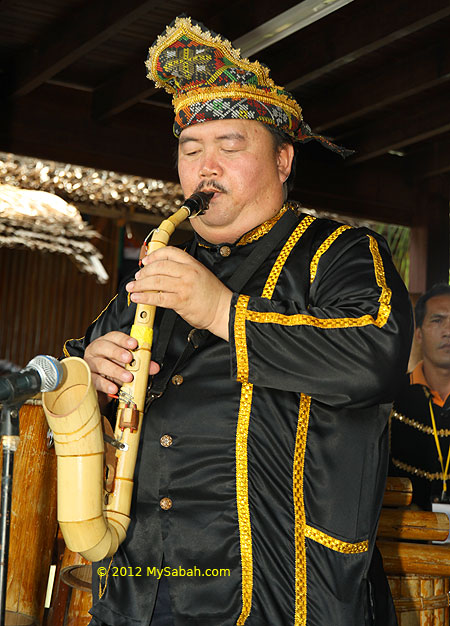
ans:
(420, 600)
(79, 605)
(76, 571)
(33, 520)
(72, 597)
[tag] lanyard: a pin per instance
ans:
(441, 458)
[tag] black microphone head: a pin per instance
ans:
(49, 369)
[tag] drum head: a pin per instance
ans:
(78, 576)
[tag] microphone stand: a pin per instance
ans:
(9, 433)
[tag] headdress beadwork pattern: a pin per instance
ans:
(209, 80)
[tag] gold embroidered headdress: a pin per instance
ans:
(209, 80)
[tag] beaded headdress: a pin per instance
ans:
(209, 81)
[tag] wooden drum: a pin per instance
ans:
(76, 571)
(72, 597)
(420, 600)
(418, 571)
(79, 605)
(33, 520)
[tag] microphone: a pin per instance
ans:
(43, 373)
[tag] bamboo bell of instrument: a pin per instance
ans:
(74, 417)
(93, 522)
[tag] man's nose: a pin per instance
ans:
(210, 166)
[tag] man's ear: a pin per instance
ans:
(284, 161)
(418, 335)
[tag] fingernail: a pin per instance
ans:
(129, 286)
(127, 377)
(112, 389)
(137, 275)
(131, 342)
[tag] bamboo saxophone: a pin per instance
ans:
(94, 522)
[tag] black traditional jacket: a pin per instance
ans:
(413, 447)
(275, 464)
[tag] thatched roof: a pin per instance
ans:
(87, 186)
(39, 201)
(39, 220)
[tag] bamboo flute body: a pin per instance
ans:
(93, 522)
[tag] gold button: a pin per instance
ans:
(177, 379)
(225, 250)
(165, 503)
(166, 441)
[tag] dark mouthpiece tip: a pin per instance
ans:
(198, 203)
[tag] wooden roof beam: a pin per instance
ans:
(69, 41)
(5, 4)
(378, 192)
(391, 84)
(369, 27)
(395, 131)
(434, 160)
(47, 124)
(121, 92)
(130, 86)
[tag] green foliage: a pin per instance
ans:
(398, 239)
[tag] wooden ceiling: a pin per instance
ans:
(373, 75)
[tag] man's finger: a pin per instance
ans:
(168, 253)
(120, 339)
(154, 368)
(103, 385)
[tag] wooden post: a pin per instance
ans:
(438, 243)
(430, 242)
(418, 248)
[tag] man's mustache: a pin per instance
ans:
(209, 185)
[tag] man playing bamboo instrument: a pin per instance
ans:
(420, 423)
(264, 452)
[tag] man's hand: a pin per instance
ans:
(107, 357)
(172, 279)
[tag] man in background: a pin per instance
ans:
(420, 422)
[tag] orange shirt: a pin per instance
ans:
(417, 377)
